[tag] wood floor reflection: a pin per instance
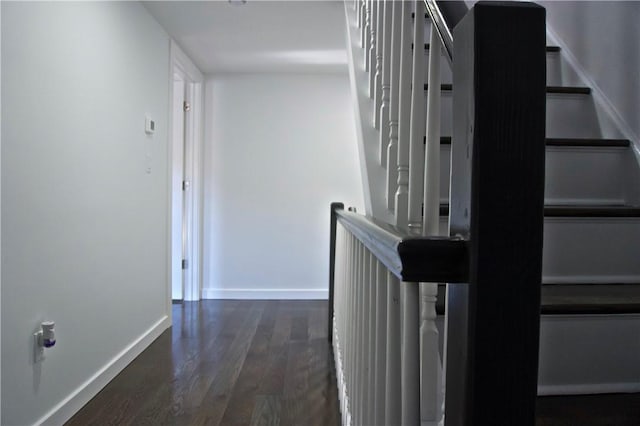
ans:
(228, 363)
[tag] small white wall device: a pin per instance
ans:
(149, 125)
(47, 336)
(44, 338)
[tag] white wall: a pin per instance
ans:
(279, 148)
(603, 37)
(84, 222)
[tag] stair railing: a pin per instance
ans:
(384, 331)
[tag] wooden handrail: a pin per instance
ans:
(410, 258)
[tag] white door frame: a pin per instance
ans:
(191, 279)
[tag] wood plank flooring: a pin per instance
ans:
(267, 363)
(227, 363)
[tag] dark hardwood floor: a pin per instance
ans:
(227, 363)
(267, 363)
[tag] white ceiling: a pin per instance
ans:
(258, 36)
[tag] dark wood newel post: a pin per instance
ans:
(332, 264)
(497, 201)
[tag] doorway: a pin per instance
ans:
(186, 140)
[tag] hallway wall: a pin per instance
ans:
(84, 198)
(279, 148)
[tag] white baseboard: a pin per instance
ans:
(266, 293)
(83, 394)
(588, 389)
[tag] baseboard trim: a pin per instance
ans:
(62, 412)
(266, 293)
(588, 389)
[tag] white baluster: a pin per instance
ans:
(416, 170)
(431, 221)
(394, 101)
(410, 353)
(432, 365)
(371, 348)
(431, 376)
(351, 325)
(393, 396)
(402, 67)
(381, 344)
(355, 363)
(386, 80)
(364, 329)
(366, 33)
(372, 46)
(377, 90)
(357, 9)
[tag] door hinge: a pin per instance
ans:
(186, 106)
(185, 263)
(185, 185)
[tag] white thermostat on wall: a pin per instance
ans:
(149, 125)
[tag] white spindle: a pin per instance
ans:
(352, 326)
(416, 154)
(386, 79)
(358, 8)
(410, 353)
(364, 339)
(432, 366)
(394, 101)
(377, 90)
(355, 364)
(404, 114)
(431, 221)
(393, 395)
(372, 46)
(381, 344)
(371, 348)
(431, 375)
(366, 33)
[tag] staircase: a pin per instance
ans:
(590, 325)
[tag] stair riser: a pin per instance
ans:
(556, 74)
(568, 116)
(591, 250)
(587, 250)
(576, 356)
(589, 354)
(573, 175)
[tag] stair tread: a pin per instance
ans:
(571, 142)
(592, 142)
(582, 211)
(566, 90)
(550, 49)
(577, 298)
(580, 298)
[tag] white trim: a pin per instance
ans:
(182, 64)
(587, 389)
(83, 394)
(266, 293)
